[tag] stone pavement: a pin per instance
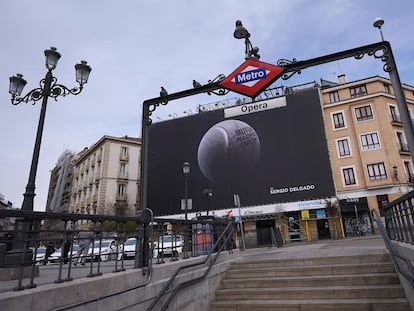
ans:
(342, 247)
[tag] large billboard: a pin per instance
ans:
(268, 152)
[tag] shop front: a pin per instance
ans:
(356, 216)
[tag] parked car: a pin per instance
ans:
(55, 257)
(108, 250)
(40, 254)
(128, 250)
(168, 245)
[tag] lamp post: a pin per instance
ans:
(209, 195)
(48, 88)
(186, 171)
(242, 33)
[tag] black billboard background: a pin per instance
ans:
(293, 153)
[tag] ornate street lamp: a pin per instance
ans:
(186, 170)
(48, 88)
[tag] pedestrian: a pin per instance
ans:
(85, 238)
(49, 251)
(67, 243)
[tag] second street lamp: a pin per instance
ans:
(186, 170)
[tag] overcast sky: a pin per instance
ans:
(134, 47)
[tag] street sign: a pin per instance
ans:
(305, 214)
(252, 77)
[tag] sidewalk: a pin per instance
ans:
(373, 244)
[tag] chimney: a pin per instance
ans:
(341, 79)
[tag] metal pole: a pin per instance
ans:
(236, 199)
(28, 200)
(401, 100)
(186, 236)
(144, 156)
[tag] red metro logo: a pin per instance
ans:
(252, 77)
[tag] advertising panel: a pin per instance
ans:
(267, 152)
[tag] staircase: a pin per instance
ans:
(354, 282)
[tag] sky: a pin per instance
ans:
(135, 47)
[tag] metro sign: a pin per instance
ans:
(252, 77)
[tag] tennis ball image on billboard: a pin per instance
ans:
(227, 147)
(266, 156)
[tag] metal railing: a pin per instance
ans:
(224, 241)
(24, 236)
(399, 218)
(399, 226)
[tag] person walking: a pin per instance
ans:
(49, 250)
(85, 238)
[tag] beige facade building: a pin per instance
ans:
(106, 177)
(370, 159)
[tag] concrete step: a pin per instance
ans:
(326, 280)
(272, 262)
(355, 268)
(361, 282)
(390, 304)
(323, 292)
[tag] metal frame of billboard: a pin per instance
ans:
(380, 50)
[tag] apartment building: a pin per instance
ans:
(60, 185)
(369, 155)
(106, 177)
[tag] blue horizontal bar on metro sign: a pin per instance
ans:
(251, 75)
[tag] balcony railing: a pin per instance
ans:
(403, 147)
(122, 175)
(396, 119)
(124, 157)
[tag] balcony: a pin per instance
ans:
(124, 157)
(121, 197)
(403, 148)
(122, 175)
(396, 119)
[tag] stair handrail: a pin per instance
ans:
(220, 243)
(298, 231)
(393, 252)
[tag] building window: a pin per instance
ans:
(386, 88)
(123, 170)
(124, 151)
(343, 147)
(124, 154)
(334, 97)
(370, 141)
(338, 120)
(402, 145)
(357, 91)
(408, 172)
(349, 176)
(394, 114)
(376, 171)
(121, 190)
(363, 113)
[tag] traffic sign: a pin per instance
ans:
(252, 77)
